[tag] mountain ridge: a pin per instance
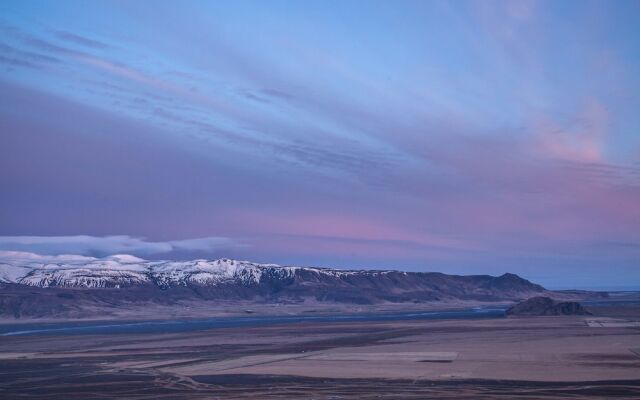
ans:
(119, 270)
(51, 284)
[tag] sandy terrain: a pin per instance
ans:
(543, 357)
(612, 323)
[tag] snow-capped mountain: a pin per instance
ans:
(121, 271)
(31, 284)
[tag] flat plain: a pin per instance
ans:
(537, 357)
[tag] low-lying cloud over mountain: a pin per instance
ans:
(106, 245)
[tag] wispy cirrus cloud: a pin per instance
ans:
(81, 40)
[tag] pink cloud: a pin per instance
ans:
(582, 142)
(349, 227)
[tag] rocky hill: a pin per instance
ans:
(541, 305)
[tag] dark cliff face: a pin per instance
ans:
(394, 286)
(547, 306)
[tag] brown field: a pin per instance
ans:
(541, 357)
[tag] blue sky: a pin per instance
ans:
(460, 136)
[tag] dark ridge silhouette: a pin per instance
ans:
(541, 305)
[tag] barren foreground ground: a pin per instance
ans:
(543, 357)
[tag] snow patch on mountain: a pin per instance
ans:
(12, 273)
(126, 270)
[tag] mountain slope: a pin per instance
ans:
(121, 277)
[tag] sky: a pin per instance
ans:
(468, 137)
